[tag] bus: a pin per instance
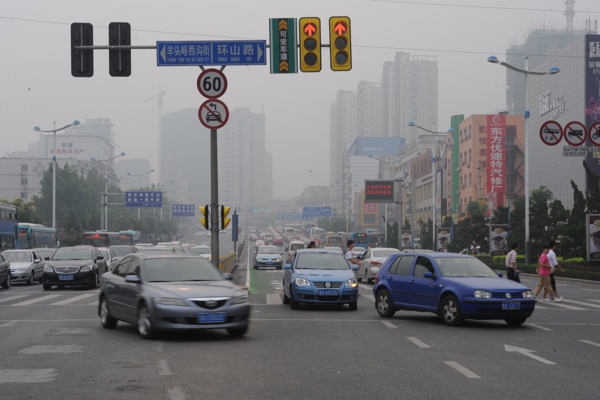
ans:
(100, 238)
(32, 236)
(361, 239)
(9, 223)
(130, 237)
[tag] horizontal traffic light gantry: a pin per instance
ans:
(340, 46)
(310, 44)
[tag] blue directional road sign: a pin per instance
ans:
(231, 52)
(184, 210)
(316, 212)
(143, 199)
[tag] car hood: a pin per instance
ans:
(20, 264)
(192, 289)
(69, 263)
(325, 275)
(486, 283)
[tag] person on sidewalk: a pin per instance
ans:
(543, 270)
(512, 272)
(553, 263)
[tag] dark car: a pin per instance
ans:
(74, 266)
(453, 286)
(4, 272)
(172, 293)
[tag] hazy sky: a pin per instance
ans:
(36, 86)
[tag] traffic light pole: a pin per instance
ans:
(214, 199)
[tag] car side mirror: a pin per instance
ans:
(500, 274)
(133, 279)
(37, 261)
(428, 275)
(287, 266)
(99, 258)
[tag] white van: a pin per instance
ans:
(268, 237)
(292, 247)
(334, 241)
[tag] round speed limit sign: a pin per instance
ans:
(212, 83)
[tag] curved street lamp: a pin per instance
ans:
(106, 189)
(526, 72)
(54, 164)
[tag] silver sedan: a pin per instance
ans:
(373, 260)
(26, 266)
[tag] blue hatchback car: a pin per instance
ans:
(454, 286)
(319, 277)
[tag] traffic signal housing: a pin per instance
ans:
(82, 61)
(224, 220)
(310, 44)
(119, 60)
(205, 221)
(340, 45)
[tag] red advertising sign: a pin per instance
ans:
(551, 133)
(496, 154)
(575, 133)
(379, 191)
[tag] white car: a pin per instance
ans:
(373, 260)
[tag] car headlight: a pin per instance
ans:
(352, 282)
(167, 301)
(528, 294)
(302, 282)
(48, 269)
(278, 259)
(240, 299)
(482, 294)
(87, 268)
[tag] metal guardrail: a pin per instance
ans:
(228, 262)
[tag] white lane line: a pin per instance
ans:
(418, 342)
(157, 348)
(597, 301)
(541, 307)
(590, 342)
(462, 370)
(528, 353)
(7, 324)
(581, 303)
(32, 301)
(73, 299)
(368, 296)
(93, 303)
(27, 375)
(176, 393)
(13, 297)
(62, 349)
(163, 367)
(565, 306)
(388, 324)
(540, 327)
(273, 299)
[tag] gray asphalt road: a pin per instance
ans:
(54, 347)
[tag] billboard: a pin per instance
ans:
(379, 191)
(444, 238)
(376, 146)
(406, 239)
(592, 97)
(79, 147)
(496, 156)
(498, 240)
(593, 237)
(369, 214)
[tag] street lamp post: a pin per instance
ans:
(106, 189)
(138, 175)
(54, 163)
(526, 72)
(434, 169)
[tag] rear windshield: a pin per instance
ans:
(334, 239)
(296, 246)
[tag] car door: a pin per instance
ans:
(398, 279)
(287, 274)
(366, 263)
(113, 288)
(38, 267)
(130, 291)
(423, 292)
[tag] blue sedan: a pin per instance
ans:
(319, 277)
(454, 286)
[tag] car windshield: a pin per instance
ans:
(321, 261)
(334, 239)
(72, 254)
(121, 251)
(384, 253)
(174, 269)
(464, 267)
(200, 250)
(296, 246)
(268, 250)
(17, 256)
(45, 253)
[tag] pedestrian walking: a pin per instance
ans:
(350, 255)
(543, 270)
(512, 272)
(312, 245)
(553, 263)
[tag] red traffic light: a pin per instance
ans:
(340, 28)
(310, 29)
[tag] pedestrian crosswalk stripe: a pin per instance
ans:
(582, 303)
(564, 306)
(273, 299)
(13, 297)
(73, 299)
(37, 300)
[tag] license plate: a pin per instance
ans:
(328, 292)
(270, 263)
(211, 318)
(65, 277)
(511, 306)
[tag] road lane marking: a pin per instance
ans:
(27, 375)
(388, 324)
(566, 306)
(541, 307)
(590, 342)
(163, 367)
(368, 296)
(273, 299)
(528, 353)
(73, 299)
(13, 297)
(94, 303)
(581, 303)
(597, 301)
(418, 342)
(176, 393)
(462, 370)
(32, 301)
(7, 324)
(539, 327)
(42, 349)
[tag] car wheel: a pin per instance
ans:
(384, 305)
(47, 286)
(30, 280)
(295, 305)
(286, 300)
(106, 319)
(144, 325)
(515, 321)
(237, 332)
(353, 306)
(6, 283)
(450, 311)
(94, 284)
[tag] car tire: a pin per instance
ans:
(94, 284)
(237, 332)
(143, 323)
(47, 286)
(384, 304)
(107, 320)
(286, 299)
(30, 280)
(6, 283)
(353, 306)
(515, 321)
(294, 305)
(450, 311)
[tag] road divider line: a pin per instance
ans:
(93, 303)
(462, 370)
(590, 342)
(597, 301)
(273, 299)
(176, 393)
(540, 327)
(163, 367)
(7, 324)
(388, 324)
(13, 297)
(32, 301)
(581, 303)
(73, 299)
(418, 342)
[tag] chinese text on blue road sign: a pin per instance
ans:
(143, 199)
(184, 210)
(316, 212)
(242, 52)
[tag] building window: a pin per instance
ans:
(24, 167)
(470, 179)
(24, 181)
(24, 195)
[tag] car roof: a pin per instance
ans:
(436, 254)
(300, 251)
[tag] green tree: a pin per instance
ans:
(426, 237)
(593, 190)
(539, 220)
(571, 244)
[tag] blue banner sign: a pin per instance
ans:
(230, 52)
(143, 199)
(184, 210)
(290, 215)
(316, 212)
